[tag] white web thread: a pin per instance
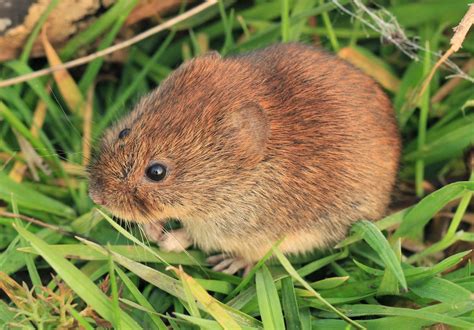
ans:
(385, 23)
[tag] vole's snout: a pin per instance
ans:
(95, 191)
(96, 197)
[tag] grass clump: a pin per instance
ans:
(412, 269)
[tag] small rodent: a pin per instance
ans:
(283, 142)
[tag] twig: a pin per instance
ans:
(127, 43)
(460, 33)
(40, 223)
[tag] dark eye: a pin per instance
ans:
(156, 172)
(123, 133)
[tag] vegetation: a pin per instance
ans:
(410, 270)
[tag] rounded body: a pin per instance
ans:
(284, 142)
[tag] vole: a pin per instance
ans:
(287, 142)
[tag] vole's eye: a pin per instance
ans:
(156, 172)
(123, 133)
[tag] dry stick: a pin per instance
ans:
(40, 223)
(31, 220)
(460, 33)
(452, 83)
(127, 43)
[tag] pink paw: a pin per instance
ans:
(175, 241)
(153, 231)
(229, 265)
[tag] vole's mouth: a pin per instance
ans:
(129, 216)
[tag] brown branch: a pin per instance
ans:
(40, 223)
(460, 33)
(127, 43)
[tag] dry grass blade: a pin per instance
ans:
(87, 127)
(372, 68)
(68, 87)
(86, 59)
(212, 306)
(19, 168)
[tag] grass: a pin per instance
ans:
(412, 269)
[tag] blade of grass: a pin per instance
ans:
(450, 237)
(136, 253)
(76, 280)
(330, 31)
(285, 20)
(97, 28)
(290, 305)
(442, 290)
(227, 23)
(212, 306)
(30, 264)
(320, 263)
(31, 199)
(422, 212)
(268, 300)
(80, 319)
(28, 45)
(141, 299)
(192, 304)
(44, 150)
(289, 268)
(422, 124)
(93, 67)
(113, 111)
(366, 310)
(66, 84)
(165, 282)
(116, 312)
(374, 237)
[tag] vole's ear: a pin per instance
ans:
(213, 54)
(251, 125)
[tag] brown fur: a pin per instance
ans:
(287, 141)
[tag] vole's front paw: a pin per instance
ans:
(153, 231)
(229, 265)
(175, 241)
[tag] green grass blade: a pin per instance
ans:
(290, 305)
(113, 111)
(374, 237)
(422, 212)
(285, 20)
(366, 310)
(136, 253)
(140, 299)
(268, 300)
(77, 281)
(116, 312)
(31, 199)
(442, 290)
(422, 123)
(28, 45)
(289, 268)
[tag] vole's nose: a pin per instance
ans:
(96, 198)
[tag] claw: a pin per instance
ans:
(229, 265)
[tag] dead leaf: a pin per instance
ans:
(370, 67)
(67, 86)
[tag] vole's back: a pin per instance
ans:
(333, 147)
